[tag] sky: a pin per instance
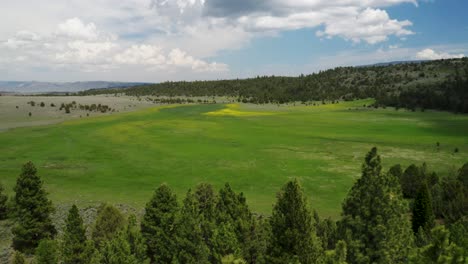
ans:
(170, 40)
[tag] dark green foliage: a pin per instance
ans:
(47, 252)
(3, 203)
(18, 258)
(33, 209)
(374, 224)
(411, 181)
(459, 233)
(109, 222)
(233, 218)
(440, 250)
(206, 201)
(158, 225)
(338, 255)
(74, 239)
(396, 171)
(454, 200)
(192, 245)
(326, 231)
(292, 227)
(117, 251)
(423, 216)
(136, 241)
(259, 236)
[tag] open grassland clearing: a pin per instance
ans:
(122, 158)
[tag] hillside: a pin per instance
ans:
(438, 85)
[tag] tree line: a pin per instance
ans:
(399, 216)
(441, 85)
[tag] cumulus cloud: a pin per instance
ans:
(75, 28)
(176, 35)
(371, 25)
(430, 54)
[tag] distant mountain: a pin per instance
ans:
(46, 87)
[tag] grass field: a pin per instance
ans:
(122, 158)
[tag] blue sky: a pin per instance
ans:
(158, 40)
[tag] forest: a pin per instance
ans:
(438, 85)
(403, 215)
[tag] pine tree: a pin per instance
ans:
(233, 215)
(206, 201)
(109, 222)
(191, 245)
(293, 231)
(423, 216)
(158, 225)
(375, 226)
(441, 250)
(74, 239)
(136, 241)
(117, 251)
(47, 252)
(33, 209)
(3, 203)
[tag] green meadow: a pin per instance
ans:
(122, 158)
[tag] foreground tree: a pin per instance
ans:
(3, 203)
(440, 250)
(117, 251)
(136, 241)
(158, 225)
(192, 247)
(47, 252)
(33, 209)
(233, 216)
(375, 225)
(293, 233)
(109, 222)
(74, 239)
(423, 216)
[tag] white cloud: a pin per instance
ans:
(84, 52)
(75, 28)
(131, 37)
(141, 54)
(430, 54)
(371, 25)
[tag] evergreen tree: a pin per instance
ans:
(136, 240)
(18, 258)
(47, 252)
(256, 245)
(441, 250)
(74, 239)
(396, 171)
(33, 209)
(158, 225)
(293, 232)
(375, 226)
(411, 181)
(109, 222)
(423, 216)
(117, 251)
(233, 215)
(459, 234)
(206, 201)
(3, 203)
(192, 247)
